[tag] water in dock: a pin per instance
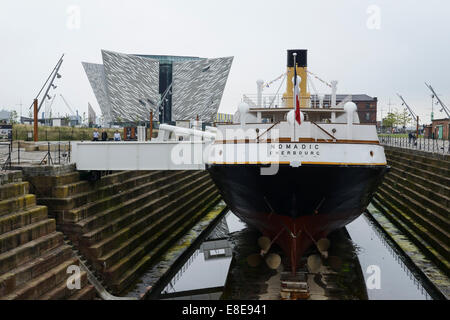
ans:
(204, 275)
(397, 281)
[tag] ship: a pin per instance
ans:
(296, 169)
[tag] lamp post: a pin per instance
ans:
(56, 74)
(35, 123)
(415, 117)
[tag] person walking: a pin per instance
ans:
(95, 135)
(104, 135)
(117, 136)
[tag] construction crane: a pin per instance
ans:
(67, 105)
(444, 107)
(415, 117)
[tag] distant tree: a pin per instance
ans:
(13, 117)
(404, 118)
(390, 120)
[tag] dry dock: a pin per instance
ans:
(152, 234)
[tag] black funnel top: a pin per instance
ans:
(301, 58)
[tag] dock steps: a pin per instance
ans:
(120, 224)
(33, 256)
(415, 196)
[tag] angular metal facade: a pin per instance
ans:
(91, 114)
(131, 81)
(127, 86)
(96, 76)
(198, 88)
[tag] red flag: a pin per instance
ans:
(296, 98)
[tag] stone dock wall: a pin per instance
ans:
(415, 196)
(33, 256)
(120, 225)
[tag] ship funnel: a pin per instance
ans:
(301, 60)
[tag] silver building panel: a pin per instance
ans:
(198, 88)
(91, 114)
(96, 75)
(131, 81)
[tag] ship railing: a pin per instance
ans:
(308, 129)
(280, 101)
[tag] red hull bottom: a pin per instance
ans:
(296, 235)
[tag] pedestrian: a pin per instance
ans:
(95, 135)
(104, 135)
(117, 136)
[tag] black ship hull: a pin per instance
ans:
(297, 205)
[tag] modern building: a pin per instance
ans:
(128, 86)
(91, 115)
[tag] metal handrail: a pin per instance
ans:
(270, 128)
(59, 155)
(268, 100)
(434, 146)
(329, 134)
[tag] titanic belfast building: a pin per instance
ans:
(128, 86)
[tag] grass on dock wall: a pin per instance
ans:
(20, 132)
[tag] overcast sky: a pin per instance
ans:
(374, 47)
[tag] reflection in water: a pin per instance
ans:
(204, 274)
(396, 280)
